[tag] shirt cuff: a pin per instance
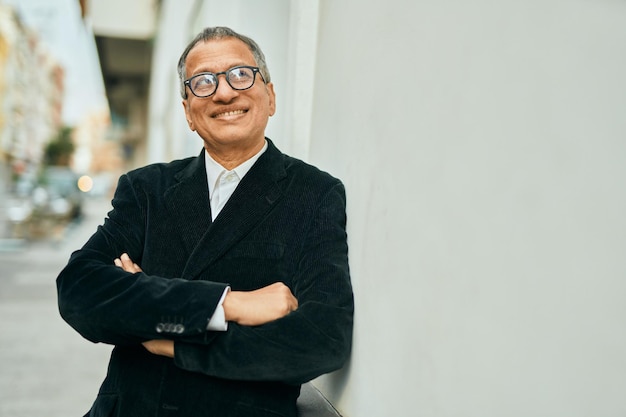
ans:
(217, 322)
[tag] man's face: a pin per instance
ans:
(229, 118)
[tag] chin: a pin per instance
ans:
(230, 140)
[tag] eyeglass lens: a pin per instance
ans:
(239, 78)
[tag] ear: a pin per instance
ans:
(272, 98)
(188, 115)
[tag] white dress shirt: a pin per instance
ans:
(222, 184)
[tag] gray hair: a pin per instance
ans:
(221, 32)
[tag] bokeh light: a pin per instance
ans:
(85, 183)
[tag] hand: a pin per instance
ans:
(160, 347)
(253, 308)
(127, 264)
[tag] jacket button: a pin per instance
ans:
(160, 327)
(179, 328)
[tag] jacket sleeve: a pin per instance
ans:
(314, 339)
(106, 304)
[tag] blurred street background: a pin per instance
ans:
(72, 108)
(73, 92)
(47, 368)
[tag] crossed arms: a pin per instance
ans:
(247, 308)
(289, 332)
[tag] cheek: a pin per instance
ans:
(197, 116)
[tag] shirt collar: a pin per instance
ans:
(214, 169)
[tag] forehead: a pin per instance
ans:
(218, 55)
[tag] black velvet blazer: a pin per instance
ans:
(284, 222)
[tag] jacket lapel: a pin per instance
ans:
(188, 203)
(257, 193)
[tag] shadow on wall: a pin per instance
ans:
(333, 385)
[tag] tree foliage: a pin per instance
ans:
(59, 150)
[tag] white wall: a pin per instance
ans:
(483, 148)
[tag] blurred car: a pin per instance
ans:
(58, 195)
(18, 206)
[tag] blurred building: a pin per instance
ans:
(49, 80)
(31, 87)
(47, 47)
(31, 91)
(124, 32)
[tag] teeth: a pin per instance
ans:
(230, 113)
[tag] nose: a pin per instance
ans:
(224, 92)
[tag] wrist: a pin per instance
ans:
(230, 306)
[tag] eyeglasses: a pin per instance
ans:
(239, 78)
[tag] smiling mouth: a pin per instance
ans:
(229, 113)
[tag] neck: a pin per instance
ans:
(232, 157)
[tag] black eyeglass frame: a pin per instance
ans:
(255, 71)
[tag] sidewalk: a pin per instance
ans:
(47, 368)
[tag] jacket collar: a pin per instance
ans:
(188, 202)
(260, 190)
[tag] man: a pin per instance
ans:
(222, 280)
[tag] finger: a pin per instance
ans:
(127, 263)
(117, 262)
